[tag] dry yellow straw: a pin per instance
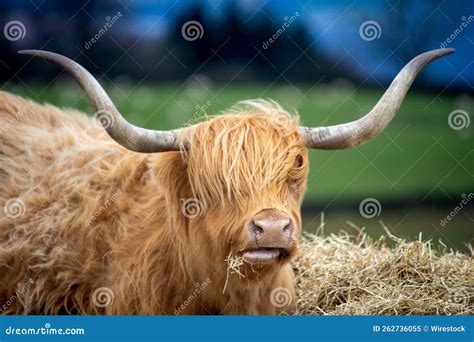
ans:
(355, 275)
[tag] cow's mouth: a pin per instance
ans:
(264, 255)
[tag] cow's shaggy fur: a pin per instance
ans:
(98, 217)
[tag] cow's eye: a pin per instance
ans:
(299, 161)
(295, 175)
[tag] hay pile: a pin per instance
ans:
(355, 275)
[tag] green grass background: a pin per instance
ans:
(418, 154)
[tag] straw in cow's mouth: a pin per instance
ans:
(233, 266)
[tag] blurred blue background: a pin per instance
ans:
(232, 31)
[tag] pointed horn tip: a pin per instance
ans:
(35, 52)
(420, 61)
(44, 54)
(434, 54)
(444, 52)
(26, 52)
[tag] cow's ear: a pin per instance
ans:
(170, 170)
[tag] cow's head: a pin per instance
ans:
(247, 169)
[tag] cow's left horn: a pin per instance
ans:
(369, 126)
(129, 136)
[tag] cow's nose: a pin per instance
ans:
(272, 228)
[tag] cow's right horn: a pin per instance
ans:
(129, 136)
(373, 123)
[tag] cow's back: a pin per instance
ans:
(59, 175)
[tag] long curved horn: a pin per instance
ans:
(129, 136)
(369, 126)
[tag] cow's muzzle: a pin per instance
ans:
(271, 236)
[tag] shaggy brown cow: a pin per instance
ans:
(90, 226)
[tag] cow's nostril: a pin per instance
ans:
(289, 228)
(256, 229)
